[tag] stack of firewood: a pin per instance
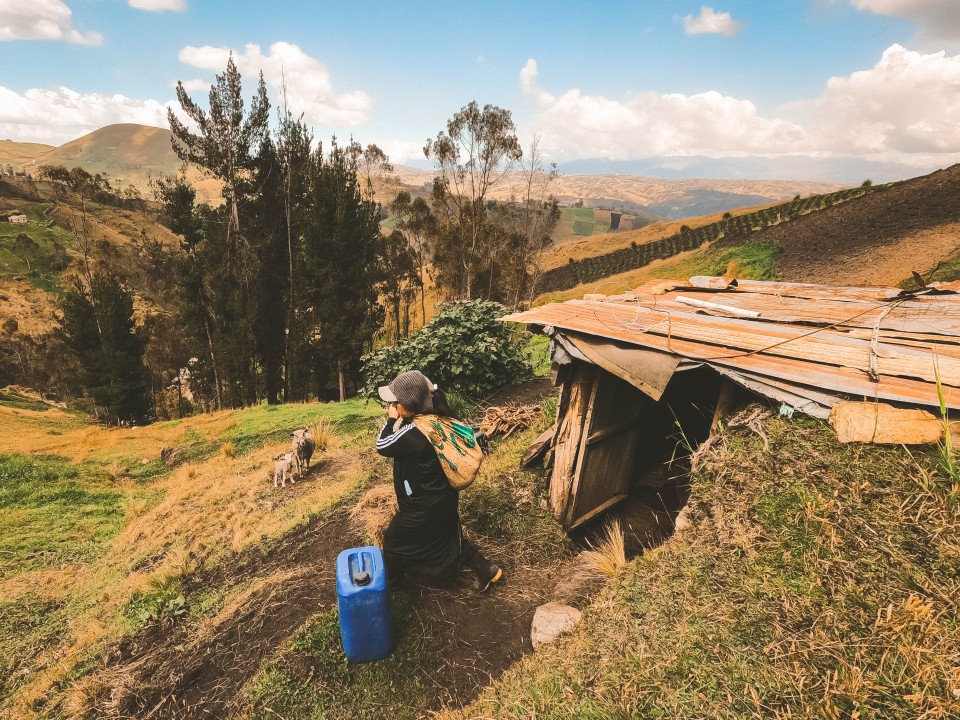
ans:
(507, 419)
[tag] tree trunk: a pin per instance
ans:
(218, 389)
(423, 304)
(286, 335)
(396, 317)
(341, 376)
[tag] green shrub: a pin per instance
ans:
(464, 348)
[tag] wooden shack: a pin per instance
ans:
(645, 374)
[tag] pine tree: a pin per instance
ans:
(98, 328)
(224, 267)
(341, 239)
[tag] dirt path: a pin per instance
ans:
(200, 670)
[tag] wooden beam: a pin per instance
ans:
(597, 510)
(610, 431)
(581, 449)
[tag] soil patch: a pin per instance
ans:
(877, 239)
(531, 392)
(200, 669)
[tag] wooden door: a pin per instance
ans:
(596, 445)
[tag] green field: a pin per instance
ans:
(581, 222)
(43, 255)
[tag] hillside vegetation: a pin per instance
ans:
(18, 154)
(876, 237)
(102, 530)
(818, 580)
(738, 228)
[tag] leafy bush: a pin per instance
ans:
(463, 348)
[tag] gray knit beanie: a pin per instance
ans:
(411, 389)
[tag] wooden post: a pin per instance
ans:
(569, 433)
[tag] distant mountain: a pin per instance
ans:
(18, 154)
(844, 171)
(652, 197)
(127, 152)
(674, 188)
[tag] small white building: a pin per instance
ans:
(21, 219)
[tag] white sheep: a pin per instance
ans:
(282, 469)
(303, 447)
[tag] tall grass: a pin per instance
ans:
(948, 458)
(608, 555)
(823, 581)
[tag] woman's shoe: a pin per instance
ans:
(495, 577)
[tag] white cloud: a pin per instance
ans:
(195, 85)
(903, 109)
(710, 22)
(57, 116)
(42, 20)
(402, 151)
(907, 103)
(309, 87)
(649, 124)
(159, 5)
(936, 18)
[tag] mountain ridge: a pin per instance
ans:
(135, 154)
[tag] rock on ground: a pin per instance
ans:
(552, 620)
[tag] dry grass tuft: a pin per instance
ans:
(607, 556)
(135, 507)
(118, 472)
(374, 510)
(228, 449)
(325, 434)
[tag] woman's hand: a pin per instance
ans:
(392, 411)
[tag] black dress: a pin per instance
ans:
(424, 537)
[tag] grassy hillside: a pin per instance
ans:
(101, 530)
(752, 260)
(601, 242)
(158, 568)
(818, 581)
(872, 235)
(17, 154)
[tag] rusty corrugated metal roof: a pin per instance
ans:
(877, 343)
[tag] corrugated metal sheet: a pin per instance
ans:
(877, 343)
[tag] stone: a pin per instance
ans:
(552, 620)
(682, 521)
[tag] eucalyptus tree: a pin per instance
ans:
(478, 147)
(341, 246)
(418, 225)
(224, 263)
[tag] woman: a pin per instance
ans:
(424, 538)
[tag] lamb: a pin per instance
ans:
(282, 469)
(303, 447)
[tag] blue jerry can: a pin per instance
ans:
(364, 604)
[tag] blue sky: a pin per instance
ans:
(872, 79)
